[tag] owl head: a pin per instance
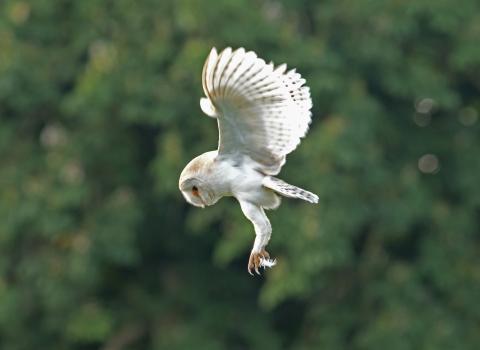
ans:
(193, 183)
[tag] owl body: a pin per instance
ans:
(226, 178)
(248, 186)
(262, 112)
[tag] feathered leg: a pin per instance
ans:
(263, 230)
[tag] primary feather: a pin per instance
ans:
(287, 190)
(262, 111)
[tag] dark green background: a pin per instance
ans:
(99, 114)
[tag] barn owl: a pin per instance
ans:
(262, 112)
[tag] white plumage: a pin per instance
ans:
(262, 113)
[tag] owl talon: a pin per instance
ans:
(260, 259)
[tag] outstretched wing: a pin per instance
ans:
(262, 111)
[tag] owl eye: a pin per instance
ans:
(195, 191)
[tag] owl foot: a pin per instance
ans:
(260, 259)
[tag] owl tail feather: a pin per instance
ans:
(287, 190)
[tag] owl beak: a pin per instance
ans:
(203, 202)
(199, 204)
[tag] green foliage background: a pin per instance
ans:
(99, 114)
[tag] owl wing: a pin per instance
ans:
(262, 111)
